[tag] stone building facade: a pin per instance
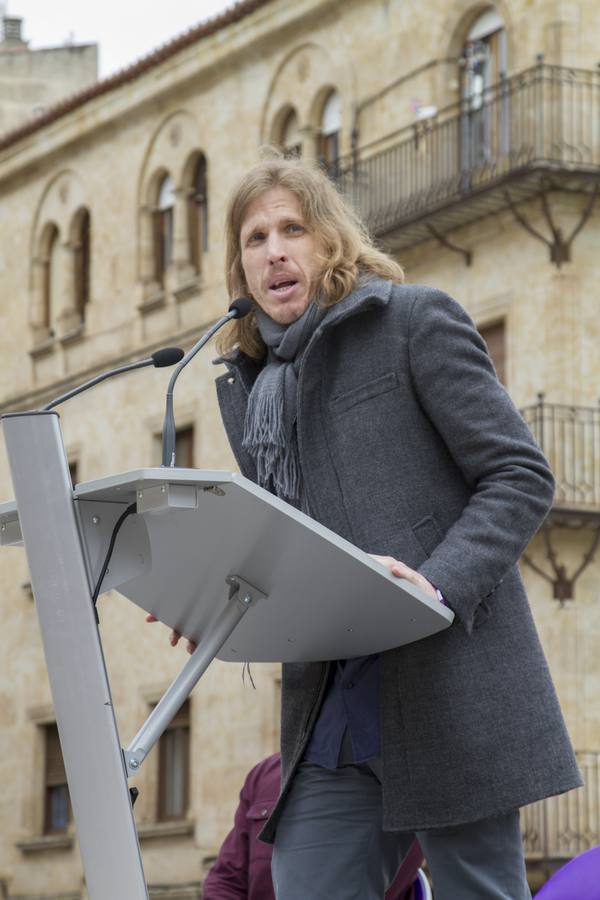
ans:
(33, 80)
(468, 135)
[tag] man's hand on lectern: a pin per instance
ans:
(174, 637)
(400, 570)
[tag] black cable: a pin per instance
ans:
(130, 509)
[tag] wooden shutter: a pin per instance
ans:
(495, 338)
(173, 768)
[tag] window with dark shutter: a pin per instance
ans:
(57, 805)
(82, 238)
(495, 338)
(331, 126)
(198, 214)
(163, 229)
(184, 447)
(173, 768)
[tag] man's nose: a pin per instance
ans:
(276, 250)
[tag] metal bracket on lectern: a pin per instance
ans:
(165, 496)
(246, 593)
(242, 595)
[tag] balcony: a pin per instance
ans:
(557, 829)
(569, 436)
(536, 131)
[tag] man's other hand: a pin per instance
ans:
(174, 637)
(400, 570)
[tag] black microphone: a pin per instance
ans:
(168, 356)
(238, 309)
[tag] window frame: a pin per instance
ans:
(179, 726)
(54, 777)
(163, 218)
(197, 209)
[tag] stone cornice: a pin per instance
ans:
(166, 71)
(38, 396)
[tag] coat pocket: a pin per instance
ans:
(367, 391)
(428, 533)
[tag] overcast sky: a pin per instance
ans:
(124, 29)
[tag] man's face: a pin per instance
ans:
(280, 257)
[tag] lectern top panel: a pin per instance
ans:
(320, 596)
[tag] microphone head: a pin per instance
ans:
(241, 307)
(168, 356)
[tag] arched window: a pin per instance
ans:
(81, 261)
(198, 214)
(163, 228)
(331, 126)
(483, 64)
(51, 277)
(290, 139)
(483, 59)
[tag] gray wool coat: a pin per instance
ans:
(410, 447)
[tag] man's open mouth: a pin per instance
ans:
(282, 285)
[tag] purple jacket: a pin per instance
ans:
(242, 870)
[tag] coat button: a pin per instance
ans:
(264, 812)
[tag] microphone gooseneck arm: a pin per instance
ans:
(88, 384)
(165, 357)
(238, 309)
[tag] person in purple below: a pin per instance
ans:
(242, 869)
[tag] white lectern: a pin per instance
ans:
(243, 574)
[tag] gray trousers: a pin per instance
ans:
(330, 845)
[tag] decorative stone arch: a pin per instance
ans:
(460, 18)
(173, 144)
(52, 303)
(299, 79)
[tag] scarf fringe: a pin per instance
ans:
(264, 421)
(270, 423)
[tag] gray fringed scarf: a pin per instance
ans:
(270, 424)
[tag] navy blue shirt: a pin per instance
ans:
(351, 702)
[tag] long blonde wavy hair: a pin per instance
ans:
(348, 248)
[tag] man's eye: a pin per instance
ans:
(256, 236)
(295, 226)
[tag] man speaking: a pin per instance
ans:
(373, 407)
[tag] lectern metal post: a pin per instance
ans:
(78, 680)
(241, 597)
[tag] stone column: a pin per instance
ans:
(147, 283)
(67, 317)
(183, 269)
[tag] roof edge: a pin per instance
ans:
(135, 70)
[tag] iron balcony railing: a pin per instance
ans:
(543, 120)
(569, 436)
(564, 826)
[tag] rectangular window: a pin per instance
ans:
(73, 472)
(184, 447)
(495, 338)
(57, 805)
(173, 768)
